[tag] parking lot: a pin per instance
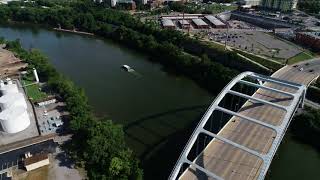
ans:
(13, 158)
(50, 118)
(256, 42)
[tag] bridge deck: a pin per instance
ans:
(230, 162)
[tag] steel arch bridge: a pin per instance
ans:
(265, 85)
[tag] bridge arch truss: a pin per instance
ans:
(297, 99)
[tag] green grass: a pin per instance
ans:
(299, 57)
(265, 62)
(34, 92)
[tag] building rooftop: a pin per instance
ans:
(35, 158)
(167, 22)
(313, 34)
(214, 20)
(199, 22)
(184, 22)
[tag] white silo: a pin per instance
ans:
(14, 119)
(12, 99)
(9, 88)
(14, 115)
(35, 75)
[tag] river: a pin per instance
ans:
(153, 105)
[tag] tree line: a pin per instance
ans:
(309, 6)
(306, 127)
(99, 143)
(87, 16)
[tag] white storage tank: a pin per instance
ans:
(9, 88)
(14, 119)
(12, 99)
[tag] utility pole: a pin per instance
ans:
(225, 42)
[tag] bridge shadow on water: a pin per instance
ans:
(159, 156)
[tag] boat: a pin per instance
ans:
(127, 68)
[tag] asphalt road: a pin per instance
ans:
(229, 162)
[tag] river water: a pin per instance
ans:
(154, 106)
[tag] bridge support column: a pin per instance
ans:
(301, 105)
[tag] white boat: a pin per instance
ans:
(127, 68)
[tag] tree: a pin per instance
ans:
(107, 155)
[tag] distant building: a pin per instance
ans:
(184, 24)
(310, 39)
(36, 161)
(263, 21)
(215, 22)
(281, 5)
(250, 2)
(200, 24)
(144, 2)
(167, 24)
(127, 4)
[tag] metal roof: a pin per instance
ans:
(214, 20)
(167, 22)
(184, 22)
(199, 22)
(313, 34)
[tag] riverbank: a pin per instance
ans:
(73, 31)
(305, 127)
(86, 129)
(179, 101)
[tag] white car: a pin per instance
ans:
(301, 69)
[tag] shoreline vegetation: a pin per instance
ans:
(209, 67)
(97, 144)
(73, 31)
(305, 127)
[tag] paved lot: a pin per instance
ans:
(48, 116)
(62, 168)
(256, 42)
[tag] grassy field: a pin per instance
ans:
(33, 90)
(269, 64)
(300, 57)
(37, 174)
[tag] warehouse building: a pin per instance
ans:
(184, 24)
(215, 22)
(250, 2)
(282, 5)
(200, 24)
(167, 24)
(310, 39)
(36, 161)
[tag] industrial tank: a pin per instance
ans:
(14, 115)
(15, 119)
(12, 99)
(8, 88)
